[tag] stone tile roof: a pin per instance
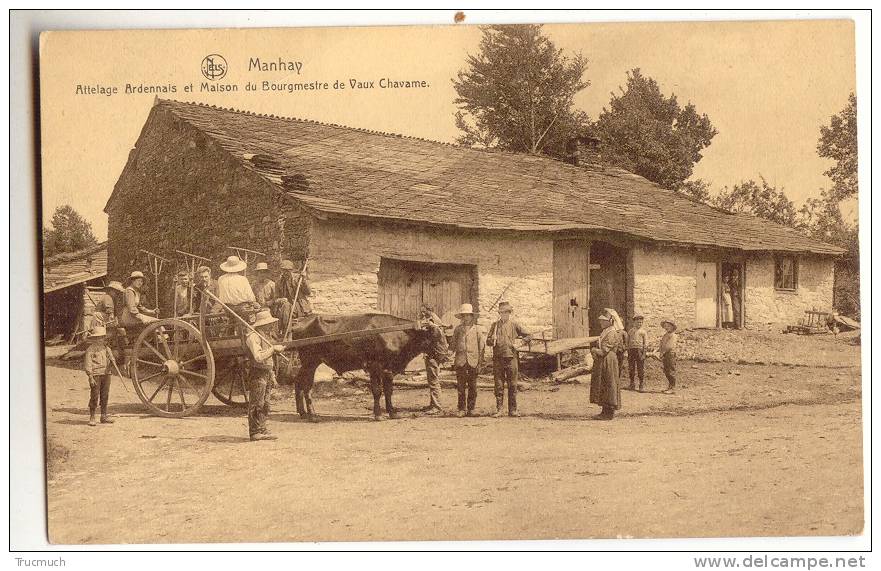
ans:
(64, 270)
(346, 171)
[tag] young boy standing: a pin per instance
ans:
(667, 354)
(97, 365)
(502, 334)
(637, 342)
(262, 377)
(469, 343)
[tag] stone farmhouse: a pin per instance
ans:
(389, 222)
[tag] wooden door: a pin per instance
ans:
(404, 286)
(706, 295)
(571, 295)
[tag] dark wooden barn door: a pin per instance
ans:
(404, 286)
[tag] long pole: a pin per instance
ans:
(287, 328)
(242, 321)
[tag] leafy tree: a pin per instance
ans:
(697, 189)
(651, 135)
(516, 94)
(761, 200)
(838, 141)
(69, 232)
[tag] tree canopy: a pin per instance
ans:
(516, 93)
(68, 232)
(649, 134)
(758, 199)
(838, 141)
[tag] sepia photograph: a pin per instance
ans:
(502, 281)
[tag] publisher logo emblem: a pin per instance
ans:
(214, 67)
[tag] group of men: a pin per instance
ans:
(469, 345)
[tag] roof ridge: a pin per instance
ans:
(68, 256)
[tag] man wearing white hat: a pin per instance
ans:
(96, 364)
(262, 376)
(263, 286)
(469, 343)
(234, 289)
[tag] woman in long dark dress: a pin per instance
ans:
(604, 388)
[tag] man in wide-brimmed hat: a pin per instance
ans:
(262, 377)
(234, 290)
(134, 313)
(506, 362)
(469, 343)
(263, 285)
(97, 365)
(604, 384)
(437, 353)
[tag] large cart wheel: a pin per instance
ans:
(230, 381)
(172, 368)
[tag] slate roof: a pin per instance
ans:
(64, 270)
(346, 171)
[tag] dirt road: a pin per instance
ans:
(748, 450)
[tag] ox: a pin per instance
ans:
(382, 355)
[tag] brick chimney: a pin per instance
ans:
(584, 150)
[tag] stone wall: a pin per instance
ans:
(664, 286)
(764, 304)
(345, 257)
(181, 191)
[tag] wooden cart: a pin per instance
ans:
(175, 364)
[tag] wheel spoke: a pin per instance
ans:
(168, 396)
(180, 392)
(155, 351)
(159, 388)
(149, 362)
(195, 374)
(148, 377)
(196, 358)
(189, 386)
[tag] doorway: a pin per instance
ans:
(404, 286)
(732, 295)
(608, 282)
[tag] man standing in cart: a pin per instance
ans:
(262, 377)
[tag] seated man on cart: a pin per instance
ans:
(235, 291)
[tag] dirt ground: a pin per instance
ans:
(739, 450)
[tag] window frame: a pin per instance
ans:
(778, 259)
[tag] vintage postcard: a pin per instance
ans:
(462, 282)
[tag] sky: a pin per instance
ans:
(766, 86)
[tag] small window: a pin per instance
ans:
(786, 273)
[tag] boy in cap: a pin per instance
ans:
(637, 341)
(502, 334)
(469, 343)
(97, 365)
(262, 377)
(667, 354)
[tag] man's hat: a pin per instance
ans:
(233, 264)
(263, 317)
(97, 331)
(637, 317)
(115, 285)
(505, 306)
(135, 275)
(465, 309)
(287, 265)
(261, 266)
(670, 322)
